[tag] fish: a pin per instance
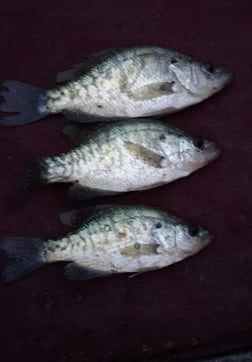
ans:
(107, 240)
(121, 157)
(117, 83)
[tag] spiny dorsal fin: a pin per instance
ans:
(78, 133)
(77, 70)
(77, 217)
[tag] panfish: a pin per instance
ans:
(117, 83)
(124, 156)
(111, 240)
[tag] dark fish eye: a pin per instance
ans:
(209, 68)
(158, 225)
(193, 230)
(199, 143)
(162, 137)
(174, 60)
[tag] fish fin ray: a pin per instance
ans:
(151, 91)
(142, 272)
(135, 274)
(23, 256)
(77, 217)
(33, 180)
(23, 99)
(77, 116)
(78, 133)
(72, 73)
(77, 70)
(73, 271)
(79, 192)
(144, 154)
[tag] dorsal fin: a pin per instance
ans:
(76, 70)
(78, 133)
(77, 217)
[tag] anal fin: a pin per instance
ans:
(79, 192)
(78, 116)
(73, 271)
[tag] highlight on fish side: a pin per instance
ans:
(108, 239)
(117, 83)
(123, 156)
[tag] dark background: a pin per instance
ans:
(197, 307)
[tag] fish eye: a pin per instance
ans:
(158, 225)
(209, 68)
(162, 137)
(174, 60)
(193, 230)
(198, 143)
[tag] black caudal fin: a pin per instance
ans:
(33, 180)
(23, 256)
(23, 99)
(34, 175)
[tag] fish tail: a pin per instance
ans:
(23, 99)
(35, 175)
(33, 179)
(23, 255)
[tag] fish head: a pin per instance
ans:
(190, 238)
(195, 152)
(173, 234)
(186, 152)
(201, 80)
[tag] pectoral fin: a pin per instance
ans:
(144, 154)
(151, 91)
(73, 271)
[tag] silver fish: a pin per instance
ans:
(125, 156)
(112, 240)
(117, 83)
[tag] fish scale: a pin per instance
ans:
(127, 156)
(122, 83)
(108, 239)
(114, 234)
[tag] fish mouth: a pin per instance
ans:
(212, 151)
(223, 78)
(215, 152)
(206, 238)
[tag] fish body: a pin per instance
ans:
(114, 239)
(118, 83)
(127, 156)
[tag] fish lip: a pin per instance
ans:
(216, 153)
(229, 78)
(225, 76)
(207, 238)
(213, 154)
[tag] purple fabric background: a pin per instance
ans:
(200, 306)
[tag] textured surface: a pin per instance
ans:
(191, 309)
